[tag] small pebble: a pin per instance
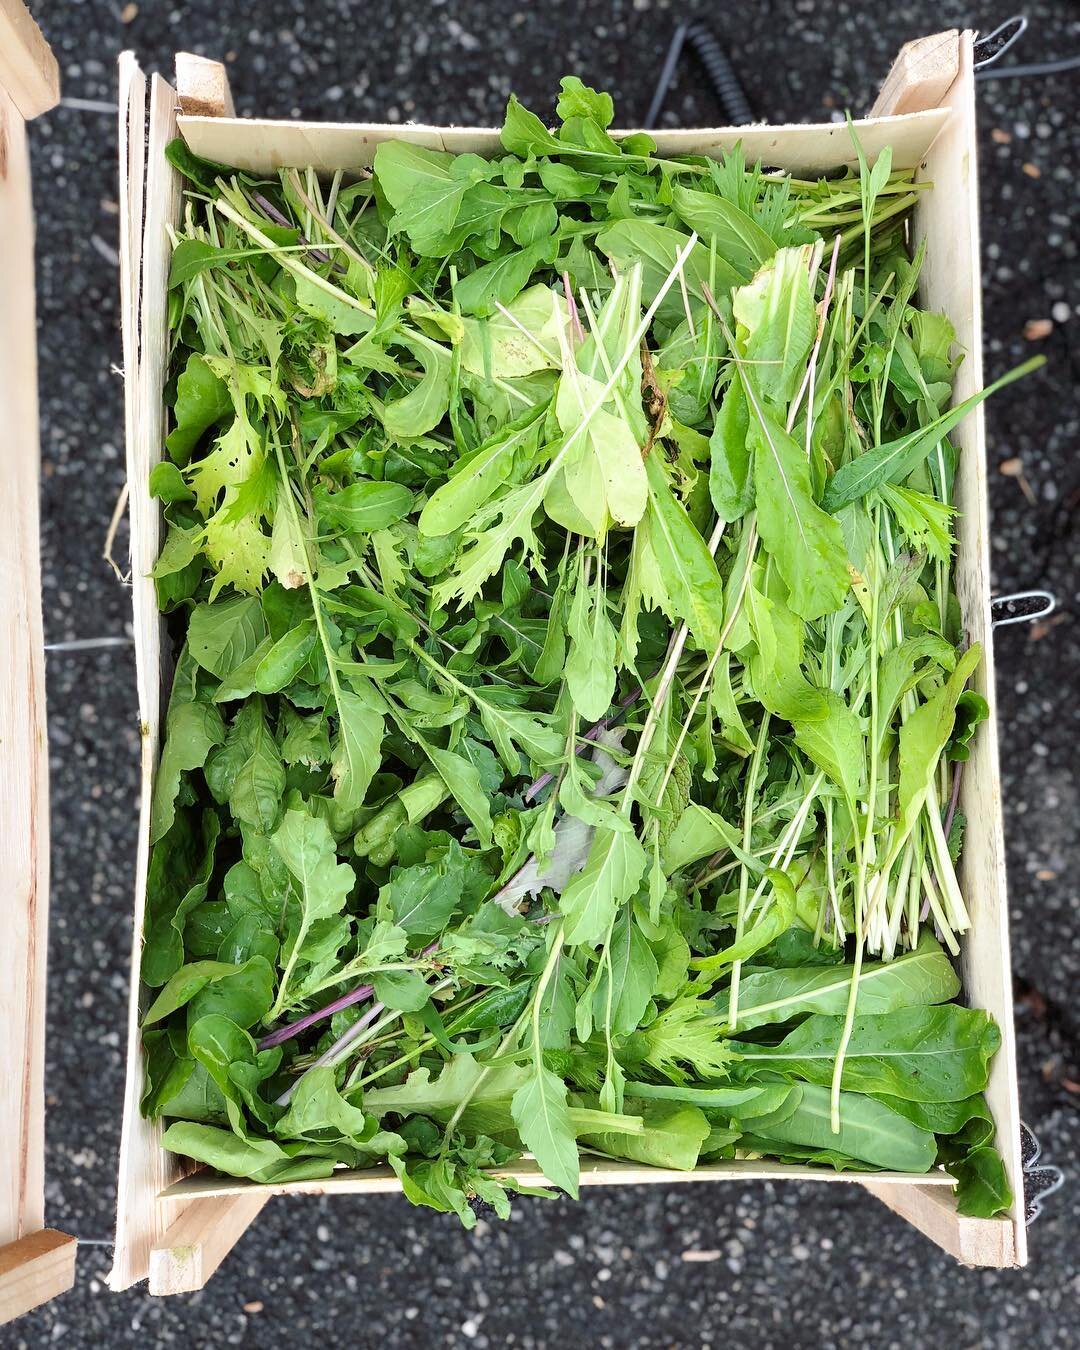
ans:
(1036, 329)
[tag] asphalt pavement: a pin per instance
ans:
(751, 1266)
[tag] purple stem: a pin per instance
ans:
(285, 1033)
(593, 733)
(357, 995)
(269, 209)
(954, 798)
(330, 1055)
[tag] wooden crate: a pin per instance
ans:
(36, 1263)
(176, 1228)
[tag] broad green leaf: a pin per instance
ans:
(633, 975)
(526, 339)
(869, 1131)
(202, 399)
(919, 977)
(425, 405)
(776, 319)
(590, 665)
(540, 1113)
(672, 1137)
(453, 504)
(656, 248)
(499, 282)
(463, 780)
(983, 1190)
(357, 748)
(192, 729)
(836, 743)
(731, 479)
(739, 239)
(241, 992)
(418, 185)
(698, 834)
(256, 1159)
(926, 1054)
(366, 506)
(317, 1105)
(223, 635)
(285, 659)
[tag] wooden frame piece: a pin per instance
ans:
(28, 69)
(149, 204)
(951, 282)
(34, 1270)
(202, 87)
(35, 1263)
(197, 1243)
(938, 139)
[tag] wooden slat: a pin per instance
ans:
(595, 1171)
(202, 87)
(947, 219)
(24, 781)
(149, 202)
(264, 147)
(921, 76)
(185, 1257)
(932, 1210)
(34, 1270)
(28, 69)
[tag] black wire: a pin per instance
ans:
(1034, 70)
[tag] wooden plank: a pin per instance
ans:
(34, 1270)
(594, 1172)
(24, 785)
(932, 1210)
(264, 147)
(145, 1168)
(196, 1244)
(947, 219)
(28, 69)
(921, 75)
(202, 87)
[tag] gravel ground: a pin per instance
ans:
(754, 1266)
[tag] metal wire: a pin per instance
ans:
(88, 644)
(1047, 601)
(995, 44)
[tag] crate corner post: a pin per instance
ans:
(36, 1263)
(202, 87)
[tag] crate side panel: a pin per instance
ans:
(145, 1168)
(265, 147)
(947, 219)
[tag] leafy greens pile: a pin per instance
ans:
(570, 692)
